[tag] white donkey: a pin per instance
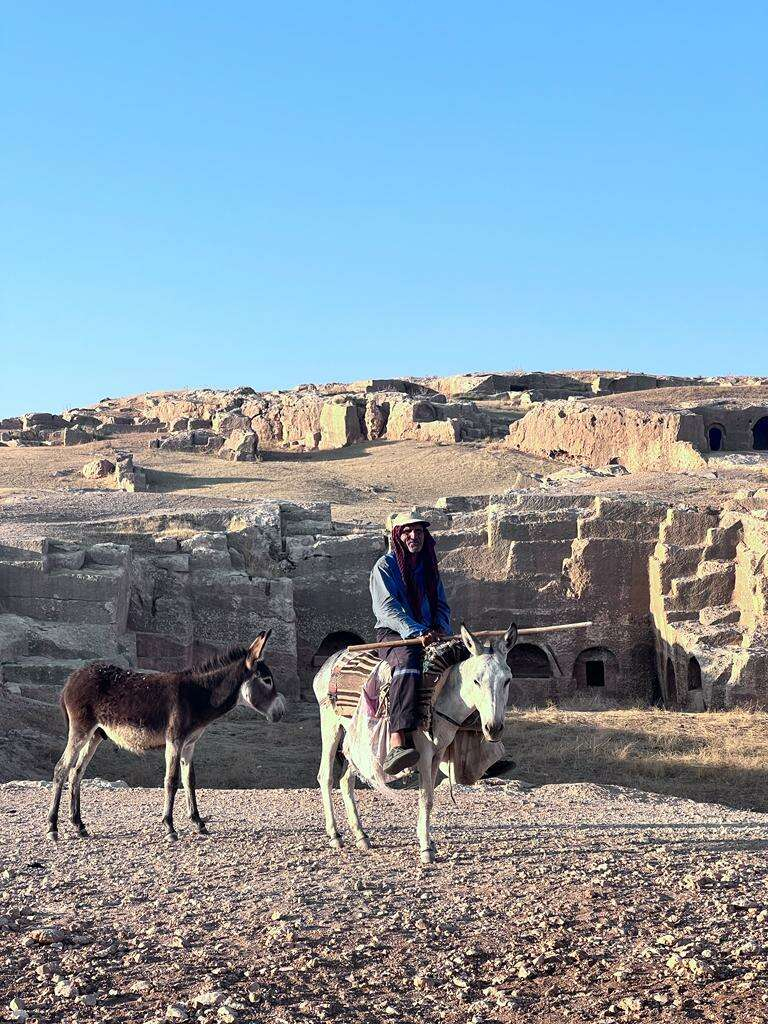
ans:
(480, 683)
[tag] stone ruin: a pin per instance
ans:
(121, 473)
(235, 424)
(678, 597)
(674, 430)
(677, 592)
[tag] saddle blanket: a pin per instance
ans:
(360, 675)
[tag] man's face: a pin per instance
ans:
(413, 538)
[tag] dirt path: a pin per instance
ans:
(573, 902)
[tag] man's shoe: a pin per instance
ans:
(500, 767)
(398, 759)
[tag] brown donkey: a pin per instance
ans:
(148, 712)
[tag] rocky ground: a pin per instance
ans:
(364, 480)
(569, 902)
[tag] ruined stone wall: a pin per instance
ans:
(709, 599)
(599, 434)
(162, 591)
(535, 559)
(677, 598)
(736, 425)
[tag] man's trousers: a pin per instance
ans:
(406, 663)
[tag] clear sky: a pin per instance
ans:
(206, 194)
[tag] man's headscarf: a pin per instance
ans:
(407, 564)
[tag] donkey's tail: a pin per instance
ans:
(64, 712)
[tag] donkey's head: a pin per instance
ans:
(485, 678)
(258, 689)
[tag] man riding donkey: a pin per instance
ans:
(409, 602)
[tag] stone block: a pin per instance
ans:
(43, 421)
(230, 423)
(355, 546)
(176, 562)
(236, 559)
(209, 558)
(618, 529)
(319, 526)
(687, 527)
(66, 559)
(297, 548)
(509, 525)
(75, 435)
(541, 558)
(240, 446)
(97, 469)
(216, 541)
(719, 615)
(165, 545)
(339, 425)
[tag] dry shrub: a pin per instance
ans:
(719, 757)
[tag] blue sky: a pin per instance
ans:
(264, 194)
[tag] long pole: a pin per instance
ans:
(416, 640)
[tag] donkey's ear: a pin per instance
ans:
(471, 643)
(258, 645)
(508, 641)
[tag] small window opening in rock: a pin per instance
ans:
(528, 661)
(715, 439)
(332, 643)
(694, 675)
(760, 435)
(595, 673)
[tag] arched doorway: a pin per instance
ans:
(671, 681)
(528, 661)
(760, 435)
(332, 643)
(694, 675)
(716, 437)
(595, 667)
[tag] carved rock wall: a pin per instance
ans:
(600, 434)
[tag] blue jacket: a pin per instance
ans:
(391, 606)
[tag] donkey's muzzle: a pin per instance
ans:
(277, 709)
(493, 730)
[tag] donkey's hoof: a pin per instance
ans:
(83, 832)
(363, 842)
(53, 835)
(171, 837)
(335, 842)
(201, 829)
(427, 856)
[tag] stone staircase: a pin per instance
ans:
(693, 577)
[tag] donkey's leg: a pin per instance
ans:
(426, 797)
(330, 730)
(347, 786)
(76, 777)
(188, 781)
(172, 759)
(75, 742)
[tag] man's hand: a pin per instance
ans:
(430, 637)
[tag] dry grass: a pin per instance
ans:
(719, 757)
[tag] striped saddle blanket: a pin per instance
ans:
(360, 675)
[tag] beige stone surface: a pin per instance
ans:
(599, 434)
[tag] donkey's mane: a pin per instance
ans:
(216, 665)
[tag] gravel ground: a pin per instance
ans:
(569, 902)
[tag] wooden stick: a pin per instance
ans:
(416, 640)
